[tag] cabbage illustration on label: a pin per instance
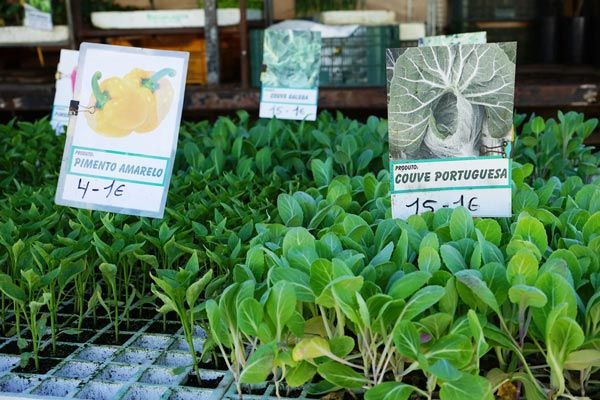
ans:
(137, 102)
(450, 112)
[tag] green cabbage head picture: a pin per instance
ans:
(291, 59)
(450, 101)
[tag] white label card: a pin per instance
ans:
(38, 18)
(66, 74)
(474, 183)
(290, 80)
(286, 103)
(450, 120)
(121, 144)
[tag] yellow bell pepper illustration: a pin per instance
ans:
(137, 102)
(161, 90)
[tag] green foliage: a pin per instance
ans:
(277, 239)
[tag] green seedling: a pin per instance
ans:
(179, 291)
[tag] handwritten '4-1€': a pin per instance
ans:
(113, 189)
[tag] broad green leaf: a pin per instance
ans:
(522, 268)
(298, 279)
(429, 260)
(341, 346)
(259, 365)
(531, 229)
(461, 224)
(216, 324)
(453, 260)
(250, 316)
(409, 284)
(322, 171)
(421, 301)
(481, 346)
(478, 288)
(389, 391)
(430, 240)
(310, 348)
(407, 340)
(591, 229)
(193, 291)
(263, 160)
(455, 348)
(557, 291)
(490, 229)
(444, 371)
(68, 271)
(297, 237)
(341, 375)
(13, 291)
(289, 210)
(527, 296)
(583, 359)
(436, 324)
(300, 374)
(281, 304)
(468, 387)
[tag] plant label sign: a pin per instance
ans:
(66, 73)
(453, 40)
(450, 111)
(121, 142)
(38, 14)
(290, 77)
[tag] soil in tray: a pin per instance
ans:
(133, 326)
(219, 365)
(68, 309)
(46, 364)
(62, 350)
(80, 337)
(8, 330)
(157, 327)
(109, 338)
(289, 392)
(253, 390)
(13, 348)
(337, 395)
(205, 382)
(88, 322)
(144, 312)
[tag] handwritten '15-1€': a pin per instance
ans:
(431, 205)
(113, 189)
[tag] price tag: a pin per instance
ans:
(122, 140)
(450, 128)
(473, 183)
(290, 81)
(66, 73)
(38, 15)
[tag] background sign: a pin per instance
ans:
(38, 14)
(121, 145)
(66, 73)
(456, 39)
(290, 80)
(450, 111)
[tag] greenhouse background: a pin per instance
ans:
(278, 265)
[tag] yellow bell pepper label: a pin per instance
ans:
(138, 102)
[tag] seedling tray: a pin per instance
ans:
(150, 364)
